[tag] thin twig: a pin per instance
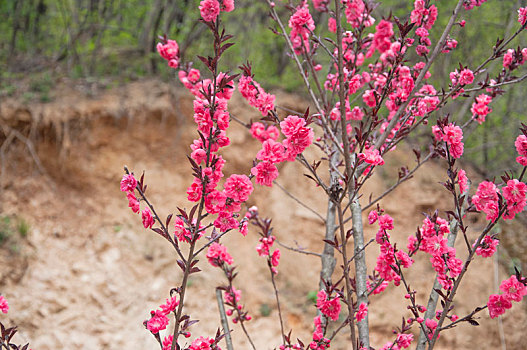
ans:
(298, 250)
(299, 201)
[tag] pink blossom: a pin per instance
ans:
(332, 25)
(480, 108)
(355, 12)
(431, 325)
(373, 216)
(462, 181)
(261, 133)
(513, 289)
(275, 258)
(298, 142)
(169, 305)
(362, 312)
(486, 199)
(521, 148)
(225, 222)
(203, 343)
(404, 340)
(515, 194)
(265, 245)
(133, 202)
(329, 307)
(231, 295)
(386, 222)
(369, 98)
(167, 342)
(148, 220)
(508, 58)
(521, 145)
(170, 52)
(238, 187)
(265, 173)
(380, 288)
(466, 77)
(292, 125)
(271, 151)
(255, 95)
(157, 322)
(301, 18)
(522, 15)
(371, 156)
(404, 259)
(215, 201)
(181, 232)
(498, 304)
(244, 227)
(217, 255)
(227, 5)
(452, 135)
(128, 183)
(487, 247)
(4, 305)
(209, 9)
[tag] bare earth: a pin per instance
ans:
(88, 274)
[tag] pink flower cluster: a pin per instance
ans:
(362, 312)
(210, 9)
(487, 246)
(159, 320)
(452, 135)
(4, 305)
(128, 185)
(513, 290)
(470, 4)
(203, 343)
(522, 15)
(382, 36)
(462, 181)
(514, 192)
(298, 138)
(465, 77)
(262, 133)
(264, 249)
(330, 307)
(521, 148)
(351, 114)
(217, 255)
(443, 257)
(301, 24)
(371, 156)
(356, 14)
(513, 59)
(486, 199)
(480, 108)
(170, 52)
(388, 257)
(423, 16)
(427, 101)
(403, 341)
(319, 341)
(255, 95)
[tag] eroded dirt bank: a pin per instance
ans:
(88, 274)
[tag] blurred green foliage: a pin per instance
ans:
(115, 40)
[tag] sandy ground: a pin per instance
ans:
(88, 274)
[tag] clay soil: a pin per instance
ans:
(87, 274)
